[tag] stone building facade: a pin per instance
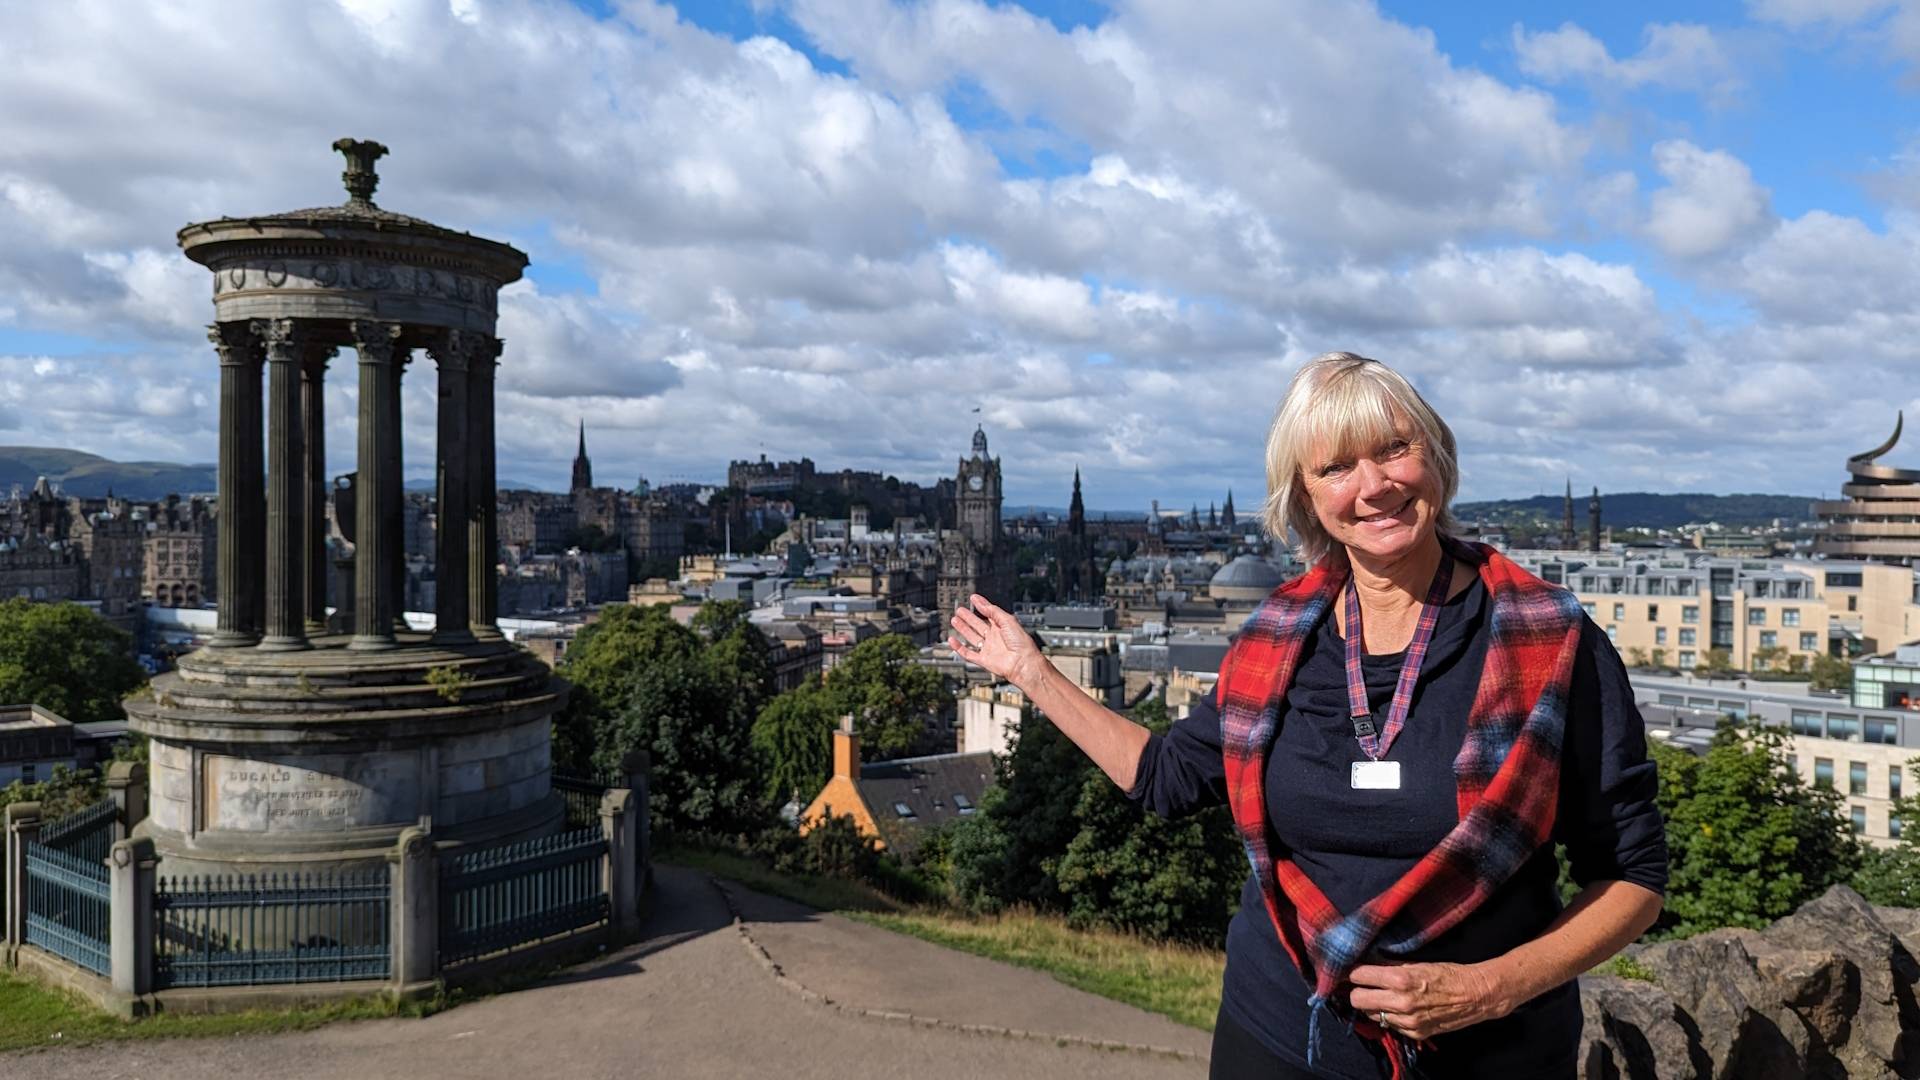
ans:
(182, 553)
(975, 556)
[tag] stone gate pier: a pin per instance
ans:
(298, 742)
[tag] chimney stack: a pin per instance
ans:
(846, 750)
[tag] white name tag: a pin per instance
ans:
(1376, 776)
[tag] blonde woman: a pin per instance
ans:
(1402, 734)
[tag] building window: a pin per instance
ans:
(1843, 579)
(1806, 723)
(1886, 732)
(1853, 603)
(1659, 635)
(1686, 658)
(1690, 613)
(1587, 606)
(1769, 639)
(1653, 612)
(1793, 764)
(1809, 641)
(1790, 616)
(903, 809)
(1843, 726)
(1613, 632)
(1689, 637)
(1823, 773)
(1858, 815)
(1894, 780)
(1893, 826)
(1619, 612)
(1756, 616)
(1856, 778)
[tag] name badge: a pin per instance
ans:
(1375, 776)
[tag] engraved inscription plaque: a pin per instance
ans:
(311, 793)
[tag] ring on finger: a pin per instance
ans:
(1381, 1016)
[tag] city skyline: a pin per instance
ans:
(1652, 255)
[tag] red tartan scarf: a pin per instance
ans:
(1507, 773)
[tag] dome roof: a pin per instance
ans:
(1249, 574)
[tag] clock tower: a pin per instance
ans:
(979, 494)
(974, 557)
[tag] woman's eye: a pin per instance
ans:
(1398, 447)
(1333, 468)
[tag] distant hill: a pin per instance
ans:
(1642, 509)
(84, 474)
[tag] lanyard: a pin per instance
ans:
(1375, 742)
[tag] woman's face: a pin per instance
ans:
(1381, 502)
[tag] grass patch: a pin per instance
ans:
(1626, 967)
(33, 1016)
(1176, 981)
(825, 893)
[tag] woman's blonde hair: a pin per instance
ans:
(1346, 404)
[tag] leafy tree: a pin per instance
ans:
(1797, 664)
(1747, 841)
(1659, 658)
(60, 794)
(1003, 855)
(794, 737)
(1715, 664)
(1133, 870)
(736, 651)
(889, 695)
(65, 658)
(1636, 656)
(1830, 673)
(643, 681)
(1766, 656)
(1892, 875)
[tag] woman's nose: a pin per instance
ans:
(1371, 477)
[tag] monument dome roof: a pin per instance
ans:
(1247, 573)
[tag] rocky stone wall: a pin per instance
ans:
(1827, 992)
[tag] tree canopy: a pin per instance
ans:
(65, 658)
(889, 695)
(643, 681)
(1747, 841)
(794, 737)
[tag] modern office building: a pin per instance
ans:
(1835, 742)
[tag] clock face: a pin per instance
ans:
(975, 481)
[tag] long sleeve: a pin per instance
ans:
(1182, 771)
(1608, 819)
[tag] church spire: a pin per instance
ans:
(1567, 540)
(1226, 512)
(582, 468)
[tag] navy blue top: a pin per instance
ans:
(1355, 844)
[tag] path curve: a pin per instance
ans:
(689, 1001)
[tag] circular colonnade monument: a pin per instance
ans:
(293, 741)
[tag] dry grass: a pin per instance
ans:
(1177, 981)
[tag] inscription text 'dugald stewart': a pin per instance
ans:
(321, 793)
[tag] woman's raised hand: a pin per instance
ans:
(993, 639)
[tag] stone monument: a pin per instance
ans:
(287, 744)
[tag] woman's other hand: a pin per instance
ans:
(993, 639)
(1423, 1000)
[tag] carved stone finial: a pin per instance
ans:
(360, 176)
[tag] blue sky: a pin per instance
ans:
(1643, 246)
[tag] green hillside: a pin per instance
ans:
(80, 473)
(1642, 509)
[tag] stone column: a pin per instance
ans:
(238, 548)
(454, 509)
(130, 867)
(127, 787)
(414, 872)
(23, 825)
(313, 420)
(396, 504)
(373, 602)
(484, 533)
(286, 490)
(618, 822)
